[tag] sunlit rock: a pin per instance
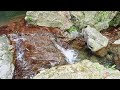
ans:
(95, 40)
(60, 19)
(82, 70)
(98, 19)
(117, 41)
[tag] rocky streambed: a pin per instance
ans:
(35, 52)
(34, 48)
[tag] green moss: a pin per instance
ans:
(116, 20)
(72, 29)
(111, 67)
(29, 18)
(101, 16)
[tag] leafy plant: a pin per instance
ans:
(111, 67)
(72, 29)
(29, 18)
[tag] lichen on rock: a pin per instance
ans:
(82, 70)
(65, 19)
(95, 40)
(58, 19)
(97, 19)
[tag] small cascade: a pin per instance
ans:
(70, 54)
(19, 40)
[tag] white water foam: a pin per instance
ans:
(19, 50)
(70, 54)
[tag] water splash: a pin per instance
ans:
(19, 39)
(70, 54)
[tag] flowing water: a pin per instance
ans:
(70, 54)
(34, 48)
(7, 16)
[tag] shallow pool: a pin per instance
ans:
(7, 16)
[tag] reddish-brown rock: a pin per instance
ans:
(34, 48)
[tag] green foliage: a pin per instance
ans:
(72, 29)
(111, 67)
(29, 18)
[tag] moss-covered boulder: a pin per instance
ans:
(65, 19)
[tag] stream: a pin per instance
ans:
(36, 47)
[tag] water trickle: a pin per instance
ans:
(70, 54)
(33, 49)
(19, 39)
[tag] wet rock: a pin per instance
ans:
(117, 42)
(102, 52)
(6, 58)
(34, 48)
(95, 40)
(112, 33)
(74, 34)
(112, 51)
(77, 43)
(115, 52)
(60, 19)
(70, 54)
(82, 70)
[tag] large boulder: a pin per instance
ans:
(95, 40)
(60, 19)
(82, 70)
(65, 19)
(112, 51)
(6, 58)
(98, 19)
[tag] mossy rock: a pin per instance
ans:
(65, 19)
(116, 20)
(97, 19)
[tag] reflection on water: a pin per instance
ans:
(6, 16)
